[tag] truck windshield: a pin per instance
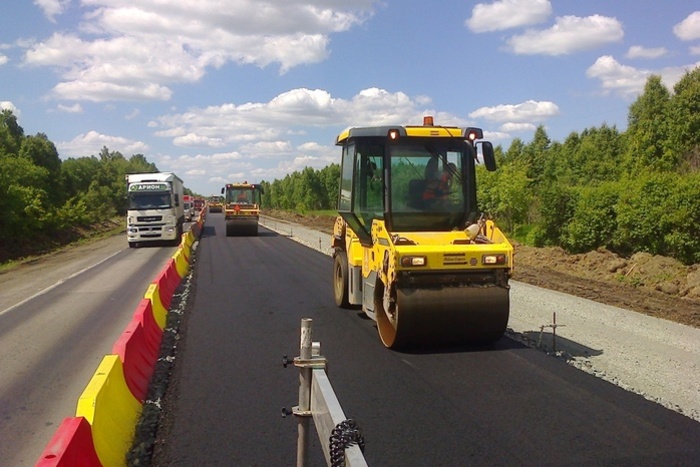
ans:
(154, 200)
(427, 190)
(240, 196)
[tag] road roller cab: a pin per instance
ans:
(410, 245)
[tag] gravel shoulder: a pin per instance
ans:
(651, 356)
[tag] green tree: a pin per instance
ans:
(648, 129)
(505, 194)
(11, 134)
(644, 213)
(43, 153)
(24, 201)
(535, 154)
(594, 221)
(685, 116)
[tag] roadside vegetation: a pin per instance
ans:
(626, 192)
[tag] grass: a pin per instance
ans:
(40, 247)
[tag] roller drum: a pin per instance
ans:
(465, 314)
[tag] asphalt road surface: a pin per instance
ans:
(503, 405)
(58, 318)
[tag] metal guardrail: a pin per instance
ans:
(341, 439)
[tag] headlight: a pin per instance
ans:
(408, 261)
(493, 259)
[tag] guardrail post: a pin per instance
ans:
(304, 394)
(341, 439)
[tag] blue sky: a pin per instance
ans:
(230, 90)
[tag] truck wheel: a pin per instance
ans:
(340, 279)
(133, 244)
(229, 230)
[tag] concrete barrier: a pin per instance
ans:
(112, 411)
(137, 357)
(71, 446)
(108, 409)
(152, 332)
(181, 263)
(160, 313)
(167, 281)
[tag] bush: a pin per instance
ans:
(594, 221)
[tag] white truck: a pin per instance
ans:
(155, 209)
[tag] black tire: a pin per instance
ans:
(133, 244)
(340, 279)
(229, 229)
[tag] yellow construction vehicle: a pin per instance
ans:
(242, 208)
(410, 245)
(216, 203)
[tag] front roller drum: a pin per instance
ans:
(444, 315)
(242, 227)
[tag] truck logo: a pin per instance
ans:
(149, 187)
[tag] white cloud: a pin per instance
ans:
(3, 59)
(621, 79)
(276, 130)
(568, 35)
(506, 14)
(525, 112)
(628, 81)
(637, 51)
(92, 142)
(231, 124)
(72, 109)
(689, 28)
(8, 105)
(512, 127)
(142, 47)
(695, 50)
(52, 8)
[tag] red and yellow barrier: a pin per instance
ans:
(101, 432)
(112, 411)
(71, 446)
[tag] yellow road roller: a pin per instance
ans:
(242, 208)
(410, 244)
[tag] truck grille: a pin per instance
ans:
(149, 218)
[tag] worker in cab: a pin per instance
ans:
(243, 197)
(437, 188)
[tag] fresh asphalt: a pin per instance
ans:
(503, 405)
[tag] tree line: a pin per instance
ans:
(627, 191)
(45, 198)
(631, 191)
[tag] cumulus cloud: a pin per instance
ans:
(689, 28)
(92, 142)
(637, 51)
(3, 59)
(133, 51)
(52, 8)
(507, 14)
(621, 79)
(627, 81)
(525, 112)
(569, 34)
(512, 127)
(8, 105)
(276, 130)
(232, 124)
